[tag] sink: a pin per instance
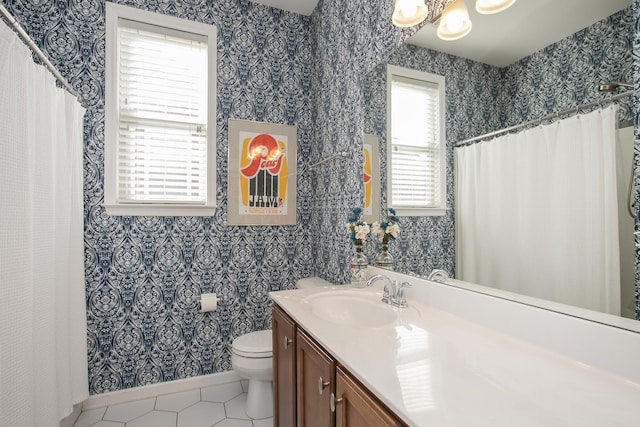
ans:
(356, 308)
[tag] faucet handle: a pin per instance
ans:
(389, 291)
(400, 299)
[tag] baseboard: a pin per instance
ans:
(152, 390)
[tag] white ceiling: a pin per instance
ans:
(506, 37)
(524, 28)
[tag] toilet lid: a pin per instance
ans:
(253, 344)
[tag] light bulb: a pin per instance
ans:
(487, 7)
(455, 22)
(407, 13)
(408, 9)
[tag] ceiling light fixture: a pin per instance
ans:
(407, 13)
(487, 7)
(454, 22)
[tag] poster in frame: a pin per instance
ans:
(261, 187)
(371, 178)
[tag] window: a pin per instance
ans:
(416, 157)
(160, 95)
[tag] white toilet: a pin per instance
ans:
(252, 359)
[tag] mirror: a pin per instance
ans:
(484, 97)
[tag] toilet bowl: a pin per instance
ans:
(252, 359)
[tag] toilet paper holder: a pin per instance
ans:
(219, 301)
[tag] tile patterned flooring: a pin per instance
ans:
(219, 406)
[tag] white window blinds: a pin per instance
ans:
(162, 115)
(416, 143)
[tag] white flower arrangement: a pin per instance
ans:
(388, 229)
(359, 229)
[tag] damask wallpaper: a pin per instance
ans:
(144, 274)
(350, 39)
(427, 243)
(636, 144)
(482, 98)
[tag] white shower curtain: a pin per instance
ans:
(536, 212)
(43, 344)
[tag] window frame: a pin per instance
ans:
(432, 79)
(115, 12)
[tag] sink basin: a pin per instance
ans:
(356, 308)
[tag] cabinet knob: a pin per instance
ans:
(333, 401)
(287, 341)
(322, 384)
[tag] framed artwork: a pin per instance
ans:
(261, 187)
(371, 178)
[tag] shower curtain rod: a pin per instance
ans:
(13, 22)
(574, 110)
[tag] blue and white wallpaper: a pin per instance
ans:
(350, 39)
(427, 243)
(567, 73)
(636, 145)
(144, 274)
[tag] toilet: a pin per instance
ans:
(252, 359)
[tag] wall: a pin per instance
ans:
(481, 98)
(350, 39)
(427, 243)
(567, 73)
(144, 274)
(636, 145)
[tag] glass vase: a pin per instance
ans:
(384, 258)
(358, 266)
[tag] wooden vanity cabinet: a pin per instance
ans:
(284, 368)
(315, 378)
(355, 406)
(306, 378)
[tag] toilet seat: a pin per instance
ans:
(253, 345)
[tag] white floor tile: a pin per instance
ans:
(178, 401)
(230, 422)
(129, 411)
(222, 393)
(89, 417)
(202, 414)
(183, 409)
(155, 419)
(236, 407)
(107, 424)
(266, 422)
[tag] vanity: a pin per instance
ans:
(453, 357)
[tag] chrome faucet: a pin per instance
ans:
(393, 292)
(388, 286)
(439, 276)
(400, 299)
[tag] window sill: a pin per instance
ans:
(159, 210)
(421, 211)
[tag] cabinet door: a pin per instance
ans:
(315, 374)
(355, 407)
(284, 369)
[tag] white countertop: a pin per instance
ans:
(433, 368)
